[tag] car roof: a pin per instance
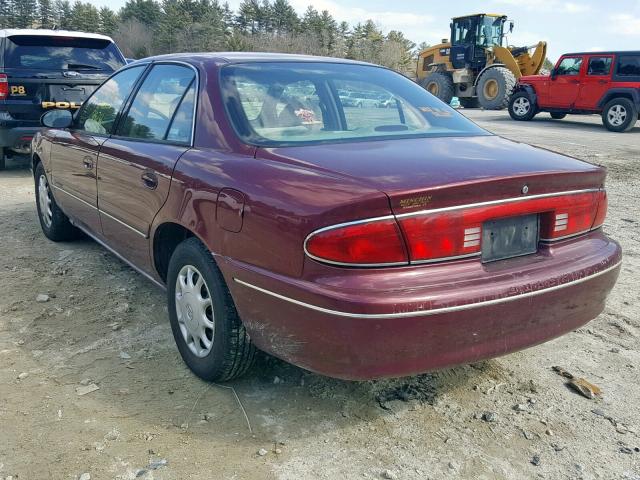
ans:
(611, 52)
(247, 57)
(9, 32)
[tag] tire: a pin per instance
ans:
(469, 102)
(495, 87)
(228, 352)
(54, 223)
(3, 160)
(440, 85)
(619, 115)
(558, 115)
(521, 107)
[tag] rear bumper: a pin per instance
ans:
(395, 322)
(17, 133)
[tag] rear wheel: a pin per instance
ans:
(619, 115)
(469, 102)
(205, 324)
(521, 106)
(558, 115)
(439, 84)
(495, 87)
(55, 224)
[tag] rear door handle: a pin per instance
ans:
(602, 82)
(149, 180)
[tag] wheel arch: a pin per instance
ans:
(529, 89)
(489, 67)
(630, 93)
(166, 238)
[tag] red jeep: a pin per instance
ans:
(584, 83)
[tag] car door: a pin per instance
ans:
(564, 86)
(136, 164)
(74, 151)
(595, 82)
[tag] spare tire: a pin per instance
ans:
(439, 84)
(495, 87)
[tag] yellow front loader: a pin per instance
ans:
(473, 64)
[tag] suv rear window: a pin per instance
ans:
(42, 52)
(629, 65)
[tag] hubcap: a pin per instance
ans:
(44, 197)
(521, 106)
(616, 115)
(194, 310)
(491, 89)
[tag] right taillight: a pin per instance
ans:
(4, 86)
(376, 242)
(603, 204)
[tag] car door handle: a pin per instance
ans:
(149, 180)
(87, 162)
(602, 82)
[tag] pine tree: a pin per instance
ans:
(148, 12)
(25, 14)
(108, 21)
(63, 14)
(47, 13)
(7, 13)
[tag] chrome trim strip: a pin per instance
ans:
(445, 259)
(497, 202)
(144, 235)
(435, 311)
(120, 257)
(73, 196)
(582, 232)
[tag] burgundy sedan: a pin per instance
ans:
(354, 241)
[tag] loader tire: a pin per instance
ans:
(495, 87)
(439, 84)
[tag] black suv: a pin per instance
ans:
(46, 69)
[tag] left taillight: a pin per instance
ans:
(4, 86)
(371, 243)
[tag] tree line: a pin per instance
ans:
(150, 27)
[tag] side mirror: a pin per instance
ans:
(57, 119)
(554, 73)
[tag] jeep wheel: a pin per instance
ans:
(558, 115)
(55, 224)
(205, 324)
(495, 87)
(619, 115)
(521, 107)
(439, 84)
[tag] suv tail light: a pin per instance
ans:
(4, 86)
(375, 242)
(452, 232)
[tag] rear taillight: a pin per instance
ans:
(4, 86)
(452, 232)
(376, 242)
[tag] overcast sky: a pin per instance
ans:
(566, 26)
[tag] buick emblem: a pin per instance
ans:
(525, 189)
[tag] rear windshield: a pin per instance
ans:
(41, 52)
(280, 104)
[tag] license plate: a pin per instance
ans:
(509, 237)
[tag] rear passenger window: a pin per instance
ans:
(98, 114)
(569, 66)
(164, 96)
(599, 66)
(629, 65)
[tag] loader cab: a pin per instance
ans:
(471, 36)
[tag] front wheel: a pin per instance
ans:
(205, 324)
(619, 115)
(54, 223)
(521, 107)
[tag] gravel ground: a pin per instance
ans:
(103, 326)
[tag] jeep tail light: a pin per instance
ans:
(4, 86)
(377, 242)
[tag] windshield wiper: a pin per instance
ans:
(81, 66)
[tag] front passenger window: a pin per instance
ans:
(157, 102)
(99, 112)
(570, 66)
